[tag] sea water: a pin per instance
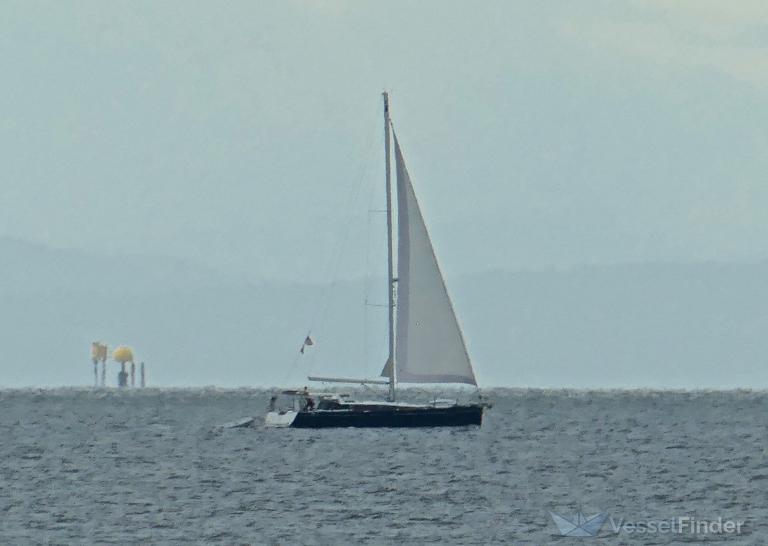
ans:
(155, 467)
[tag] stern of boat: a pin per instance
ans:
(279, 419)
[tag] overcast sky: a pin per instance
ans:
(538, 134)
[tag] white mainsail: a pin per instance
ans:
(429, 344)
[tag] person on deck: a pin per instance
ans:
(309, 404)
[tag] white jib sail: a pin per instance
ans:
(429, 344)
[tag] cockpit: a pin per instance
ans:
(304, 400)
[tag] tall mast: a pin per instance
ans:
(390, 260)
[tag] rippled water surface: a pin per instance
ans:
(82, 467)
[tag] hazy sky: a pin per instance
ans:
(537, 133)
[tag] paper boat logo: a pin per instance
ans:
(579, 525)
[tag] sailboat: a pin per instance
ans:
(425, 341)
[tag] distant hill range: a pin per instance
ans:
(639, 325)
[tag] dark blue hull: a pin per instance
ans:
(452, 416)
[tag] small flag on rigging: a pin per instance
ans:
(307, 343)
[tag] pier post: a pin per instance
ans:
(122, 376)
(133, 374)
(143, 377)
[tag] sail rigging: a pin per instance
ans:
(426, 344)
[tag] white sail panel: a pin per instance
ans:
(429, 344)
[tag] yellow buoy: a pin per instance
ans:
(122, 354)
